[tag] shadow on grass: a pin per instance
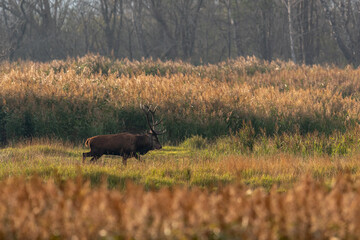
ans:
(112, 181)
(155, 182)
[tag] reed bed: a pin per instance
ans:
(77, 98)
(35, 209)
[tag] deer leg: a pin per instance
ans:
(85, 155)
(137, 156)
(124, 161)
(95, 158)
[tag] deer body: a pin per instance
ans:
(125, 144)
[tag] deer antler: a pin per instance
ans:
(147, 110)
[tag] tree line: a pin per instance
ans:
(199, 31)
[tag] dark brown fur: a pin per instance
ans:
(126, 145)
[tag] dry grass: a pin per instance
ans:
(88, 95)
(41, 210)
(299, 91)
(286, 121)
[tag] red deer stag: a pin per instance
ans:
(126, 144)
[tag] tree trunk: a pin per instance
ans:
(291, 30)
(336, 33)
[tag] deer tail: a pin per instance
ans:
(87, 142)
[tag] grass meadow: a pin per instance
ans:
(187, 165)
(253, 150)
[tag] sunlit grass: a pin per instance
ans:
(79, 98)
(174, 166)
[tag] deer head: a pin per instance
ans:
(150, 117)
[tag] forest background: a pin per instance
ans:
(304, 31)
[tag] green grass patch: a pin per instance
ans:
(182, 165)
